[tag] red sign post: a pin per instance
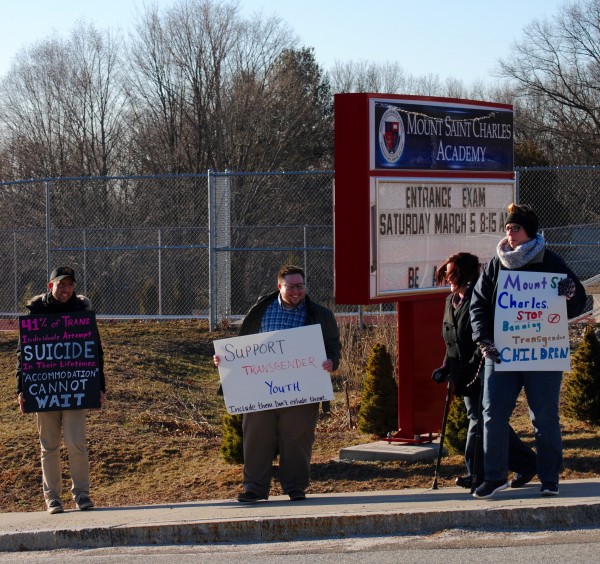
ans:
(416, 180)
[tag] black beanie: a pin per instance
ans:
(529, 222)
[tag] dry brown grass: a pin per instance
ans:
(157, 438)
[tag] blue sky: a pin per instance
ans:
(462, 38)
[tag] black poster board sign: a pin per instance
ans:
(59, 361)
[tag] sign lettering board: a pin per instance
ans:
(59, 361)
(273, 370)
(530, 323)
(419, 223)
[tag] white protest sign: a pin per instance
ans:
(530, 325)
(273, 370)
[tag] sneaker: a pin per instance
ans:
(83, 502)
(521, 479)
(55, 506)
(489, 489)
(297, 495)
(549, 488)
(464, 481)
(249, 497)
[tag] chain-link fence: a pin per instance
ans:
(567, 203)
(167, 246)
(207, 245)
(138, 245)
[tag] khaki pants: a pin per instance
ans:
(72, 423)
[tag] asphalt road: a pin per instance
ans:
(448, 547)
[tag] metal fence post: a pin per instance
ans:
(212, 305)
(305, 242)
(222, 240)
(16, 266)
(160, 308)
(84, 236)
(48, 231)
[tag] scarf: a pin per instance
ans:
(522, 255)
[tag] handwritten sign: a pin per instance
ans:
(530, 325)
(273, 370)
(59, 361)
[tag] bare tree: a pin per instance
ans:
(200, 85)
(391, 78)
(555, 71)
(61, 106)
(94, 100)
(366, 76)
(156, 90)
(30, 111)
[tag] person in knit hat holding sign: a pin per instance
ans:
(521, 252)
(64, 418)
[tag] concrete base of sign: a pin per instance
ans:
(384, 451)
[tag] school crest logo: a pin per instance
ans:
(391, 135)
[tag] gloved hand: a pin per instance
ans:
(567, 288)
(489, 350)
(440, 375)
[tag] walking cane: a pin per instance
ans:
(441, 450)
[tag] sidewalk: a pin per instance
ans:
(320, 516)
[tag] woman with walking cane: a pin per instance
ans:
(461, 367)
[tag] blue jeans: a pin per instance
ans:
(501, 390)
(521, 458)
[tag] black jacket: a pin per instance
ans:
(484, 294)
(315, 314)
(45, 303)
(463, 356)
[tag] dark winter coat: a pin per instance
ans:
(463, 356)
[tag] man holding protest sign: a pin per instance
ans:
(55, 367)
(289, 429)
(521, 285)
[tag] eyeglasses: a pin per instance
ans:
(513, 228)
(294, 286)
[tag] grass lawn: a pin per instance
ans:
(157, 438)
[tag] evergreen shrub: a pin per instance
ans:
(582, 387)
(378, 412)
(457, 425)
(232, 448)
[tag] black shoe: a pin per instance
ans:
(464, 482)
(55, 506)
(297, 495)
(83, 502)
(489, 489)
(249, 497)
(549, 488)
(521, 479)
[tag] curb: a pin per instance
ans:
(407, 520)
